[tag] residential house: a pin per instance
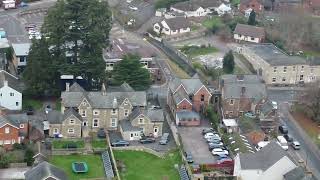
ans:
(271, 162)
(20, 55)
(249, 33)
(13, 129)
(161, 12)
(147, 121)
(173, 26)
(45, 171)
(67, 125)
(277, 68)
(241, 94)
(223, 9)
(186, 99)
(255, 5)
(10, 91)
(231, 125)
(119, 48)
(106, 109)
(266, 112)
(195, 8)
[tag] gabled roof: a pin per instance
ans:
(13, 119)
(155, 115)
(127, 126)
(252, 31)
(69, 112)
(45, 170)
(191, 85)
(21, 49)
(54, 117)
(263, 159)
(75, 87)
(13, 81)
(178, 23)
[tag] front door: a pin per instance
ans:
(155, 131)
(131, 136)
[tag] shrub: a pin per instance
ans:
(29, 157)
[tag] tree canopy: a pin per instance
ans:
(252, 18)
(131, 71)
(76, 32)
(228, 62)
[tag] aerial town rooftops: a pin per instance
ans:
(252, 31)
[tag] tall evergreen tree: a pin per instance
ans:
(228, 62)
(41, 72)
(131, 71)
(252, 18)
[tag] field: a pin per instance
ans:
(94, 163)
(144, 166)
(193, 51)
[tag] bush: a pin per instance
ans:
(29, 157)
(212, 116)
(17, 146)
(4, 161)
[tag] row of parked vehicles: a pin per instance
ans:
(215, 144)
(144, 140)
(286, 139)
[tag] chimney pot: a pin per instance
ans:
(67, 87)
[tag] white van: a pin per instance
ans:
(282, 142)
(261, 144)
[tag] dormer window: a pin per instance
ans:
(125, 102)
(141, 121)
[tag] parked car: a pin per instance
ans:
(216, 142)
(30, 110)
(189, 157)
(147, 140)
(214, 146)
(283, 129)
(133, 7)
(295, 145)
(155, 107)
(222, 156)
(120, 143)
(213, 138)
(48, 108)
(164, 139)
(219, 151)
(288, 137)
(210, 135)
(208, 130)
(250, 115)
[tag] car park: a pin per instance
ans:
(283, 129)
(208, 130)
(211, 135)
(120, 143)
(219, 151)
(213, 138)
(214, 146)
(147, 140)
(189, 157)
(288, 137)
(295, 145)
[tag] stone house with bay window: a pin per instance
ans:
(93, 110)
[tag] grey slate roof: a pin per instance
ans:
(254, 88)
(178, 23)
(188, 115)
(266, 107)
(13, 119)
(192, 85)
(21, 49)
(263, 159)
(155, 115)
(127, 126)
(44, 170)
(125, 87)
(13, 81)
(54, 117)
(252, 31)
(274, 56)
(297, 173)
(69, 112)
(98, 100)
(193, 5)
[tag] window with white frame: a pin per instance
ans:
(301, 77)
(283, 79)
(11, 94)
(302, 68)
(70, 131)
(273, 79)
(21, 125)
(13, 141)
(114, 111)
(274, 69)
(285, 69)
(231, 101)
(7, 142)
(96, 112)
(83, 113)
(7, 130)
(141, 121)
(136, 134)
(95, 123)
(55, 131)
(126, 112)
(71, 121)
(294, 68)
(113, 122)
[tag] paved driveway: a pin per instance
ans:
(194, 142)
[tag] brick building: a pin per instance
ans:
(255, 5)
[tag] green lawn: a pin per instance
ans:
(193, 51)
(60, 144)
(212, 22)
(144, 166)
(94, 163)
(30, 102)
(99, 143)
(58, 105)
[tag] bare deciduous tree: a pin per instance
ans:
(310, 99)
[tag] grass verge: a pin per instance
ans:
(194, 51)
(30, 102)
(99, 143)
(145, 166)
(177, 70)
(94, 163)
(61, 144)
